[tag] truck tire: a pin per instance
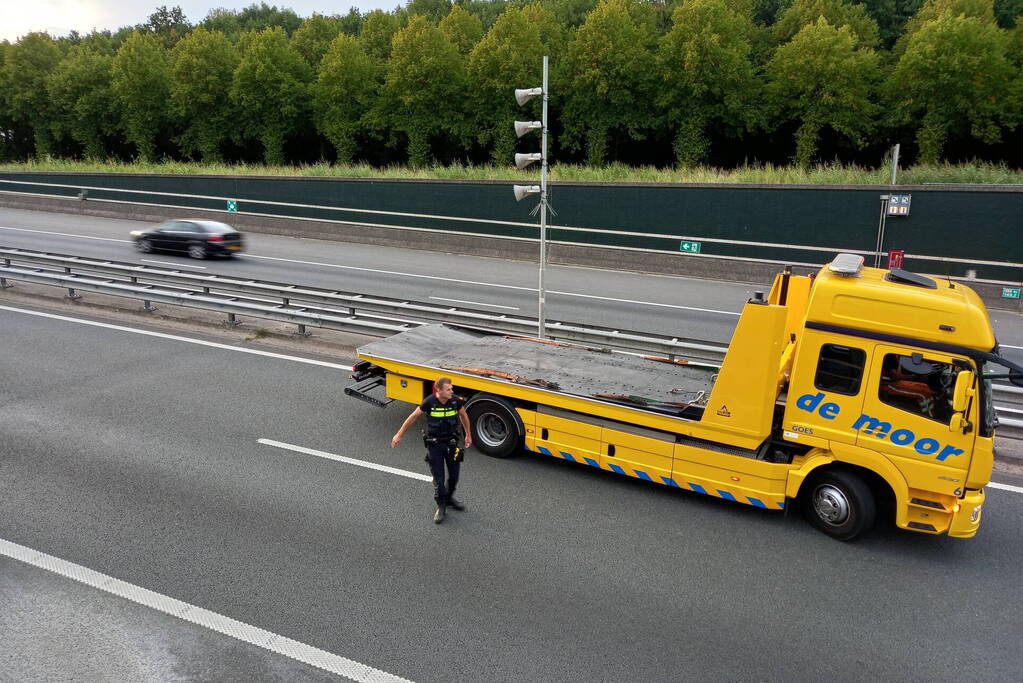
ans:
(840, 504)
(496, 427)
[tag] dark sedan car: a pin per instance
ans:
(197, 238)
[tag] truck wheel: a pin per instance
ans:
(840, 504)
(495, 427)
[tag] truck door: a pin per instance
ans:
(908, 407)
(825, 392)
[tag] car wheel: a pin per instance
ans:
(840, 504)
(144, 246)
(495, 429)
(197, 251)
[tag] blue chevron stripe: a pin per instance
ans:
(756, 501)
(726, 495)
(697, 488)
(544, 450)
(670, 482)
(617, 469)
(643, 475)
(568, 456)
(591, 462)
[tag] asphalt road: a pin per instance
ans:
(686, 307)
(139, 457)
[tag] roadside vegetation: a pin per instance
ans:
(767, 90)
(976, 173)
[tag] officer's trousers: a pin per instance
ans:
(439, 455)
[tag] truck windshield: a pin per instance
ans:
(988, 419)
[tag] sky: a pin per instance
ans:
(58, 17)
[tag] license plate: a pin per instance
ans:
(233, 246)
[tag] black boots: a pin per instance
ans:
(455, 504)
(439, 515)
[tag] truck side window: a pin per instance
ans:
(917, 385)
(840, 369)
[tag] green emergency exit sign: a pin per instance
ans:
(690, 247)
(1010, 292)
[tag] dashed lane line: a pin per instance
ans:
(174, 337)
(253, 635)
(345, 459)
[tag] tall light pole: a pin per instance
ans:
(523, 95)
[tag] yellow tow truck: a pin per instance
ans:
(846, 392)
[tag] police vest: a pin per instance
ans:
(441, 418)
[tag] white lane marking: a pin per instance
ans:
(1006, 487)
(63, 234)
(174, 337)
(1006, 346)
(176, 265)
(307, 654)
(344, 459)
(488, 284)
(474, 303)
(644, 303)
(392, 272)
(415, 275)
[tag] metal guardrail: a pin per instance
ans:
(352, 312)
(312, 306)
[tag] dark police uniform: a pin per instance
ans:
(443, 437)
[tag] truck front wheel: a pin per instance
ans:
(495, 426)
(840, 504)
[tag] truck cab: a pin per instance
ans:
(887, 386)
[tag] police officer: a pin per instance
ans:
(444, 412)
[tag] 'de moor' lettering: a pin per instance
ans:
(813, 403)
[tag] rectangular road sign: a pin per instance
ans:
(690, 247)
(1010, 292)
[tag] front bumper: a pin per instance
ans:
(966, 520)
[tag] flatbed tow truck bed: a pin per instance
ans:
(621, 379)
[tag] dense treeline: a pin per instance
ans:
(643, 82)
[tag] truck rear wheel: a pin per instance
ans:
(496, 428)
(840, 504)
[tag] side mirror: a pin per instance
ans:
(963, 390)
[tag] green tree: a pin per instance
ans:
(1007, 11)
(570, 13)
(462, 29)
(709, 78)
(80, 91)
(487, 10)
(141, 87)
(29, 62)
(509, 56)
(891, 17)
(433, 10)
(202, 70)
(252, 18)
(837, 12)
(933, 9)
(7, 122)
(377, 33)
(271, 90)
(821, 80)
(609, 77)
(423, 94)
(345, 91)
(351, 23)
(314, 36)
(954, 78)
(169, 25)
